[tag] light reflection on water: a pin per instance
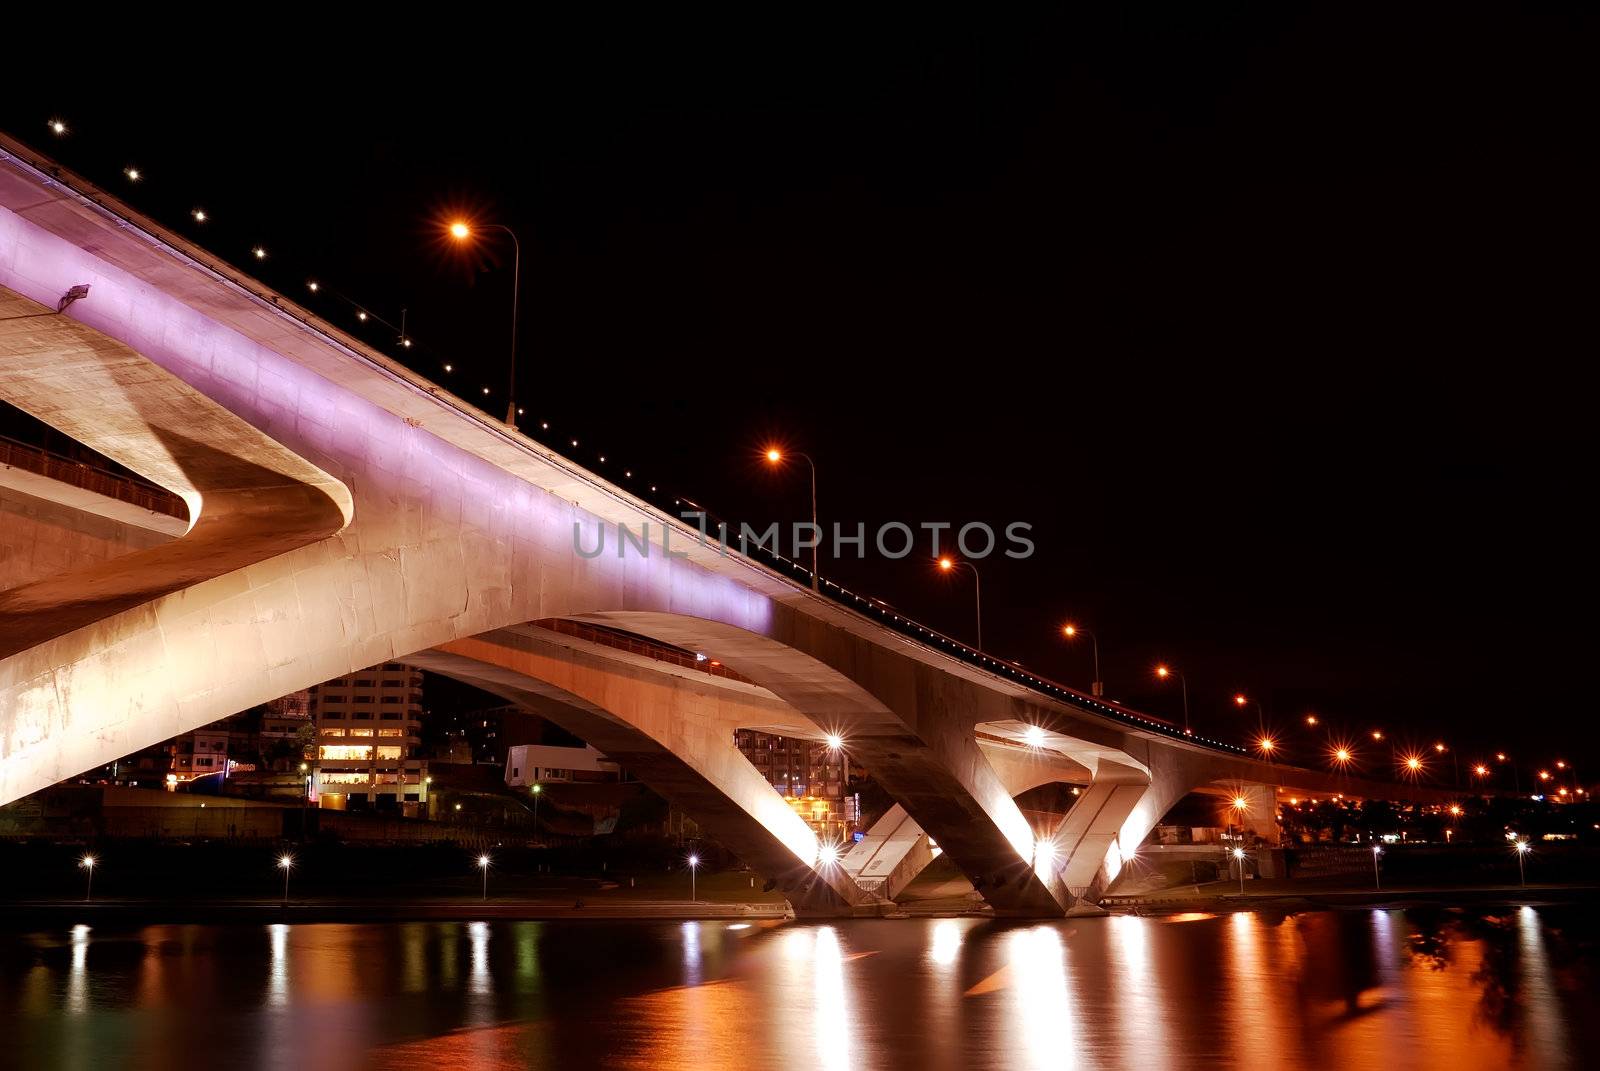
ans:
(1384, 989)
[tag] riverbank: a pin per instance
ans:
(114, 913)
(1284, 896)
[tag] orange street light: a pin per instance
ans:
(1071, 631)
(1242, 700)
(1311, 720)
(948, 564)
(462, 231)
(775, 456)
(1167, 671)
(1377, 734)
(1266, 746)
(1342, 756)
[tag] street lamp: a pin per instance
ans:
(1516, 778)
(1266, 745)
(1413, 766)
(483, 865)
(1311, 721)
(284, 863)
(1096, 687)
(461, 231)
(1343, 757)
(1522, 851)
(1238, 855)
(1167, 671)
(950, 565)
(538, 790)
(694, 867)
(1241, 700)
(834, 741)
(1455, 761)
(87, 863)
(775, 457)
(1377, 850)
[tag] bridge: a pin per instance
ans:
(342, 511)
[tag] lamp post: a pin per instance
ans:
(1377, 850)
(1096, 687)
(1167, 671)
(694, 866)
(1522, 873)
(775, 457)
(950, 565)
(285, 862)
(1241, 700)
(461, 231)
(538, 790)
(87, 863)
(483, 865)
(1239, 856)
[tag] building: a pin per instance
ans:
(368, 727)
(202, 753)
(531, 764)
(470, 736)
(813, 777)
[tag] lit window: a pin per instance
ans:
(346, 752)
(360, 732)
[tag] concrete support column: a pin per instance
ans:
(893, 852)
(676, 735)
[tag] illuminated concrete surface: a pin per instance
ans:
(346, 511)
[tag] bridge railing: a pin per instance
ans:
(90, 478)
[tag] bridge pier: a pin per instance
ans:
(675, 733)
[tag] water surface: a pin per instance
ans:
(1361, 989)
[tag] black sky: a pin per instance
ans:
(1275, 325)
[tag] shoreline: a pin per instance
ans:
(27, 914)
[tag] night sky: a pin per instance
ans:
(1273, 324)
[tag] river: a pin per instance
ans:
(1391, 989)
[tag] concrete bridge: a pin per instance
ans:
(345, 511)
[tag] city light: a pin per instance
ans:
(1311, 719)
(774, 455)
(1266, 745)
(199, 215)
(285, 863)
(835, 741)
(1163, 672)
(459, 230)
(1481, 770)
(1342, 756)
(1034, 736)
(483, 868)
(1413, 763)
(1455, 810)
(57, 127)
(946, 564)
(1439, 748)
(87, 864)
(1240, 803)
(827, 855)
(132, 173)
(1377, 734)
(1239, 700)
(259, 253)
